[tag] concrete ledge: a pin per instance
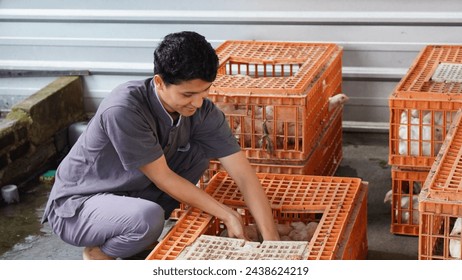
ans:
(28, 133)
(52, 108)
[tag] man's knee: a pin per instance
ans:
(151, 221)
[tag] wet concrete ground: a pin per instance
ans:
(365, 155)
(22, 235)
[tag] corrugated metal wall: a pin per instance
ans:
(114, 40)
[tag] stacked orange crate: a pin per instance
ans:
(406, 186)
(441, 201)
(275, 96)
(422, 108)
(323, 160)
(337, 204)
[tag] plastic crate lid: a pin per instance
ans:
(435, 72)
(444, 181)
(208, 247)
(278, 68)
(289, 191)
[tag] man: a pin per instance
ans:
(143, 152)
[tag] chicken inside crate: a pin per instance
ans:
(404, 199)
(290, 226)
(423, 105)
(323, 160)
(440, 237)
(277, 96)
(328, 213)
(416, 135)
(424, 130)
(260, 127)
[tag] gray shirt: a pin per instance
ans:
(130, 129)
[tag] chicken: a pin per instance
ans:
(226, 108)
(418, 132)
(284, 229)
(256, 126)
(260, 125)
(233, 113)
(311, 229)
(405, 207)
(337, 100)
(388, 196)
(417, 187)
(454, 242)
(302, 232)
(251, 231)
(440, 119)
(414, 137)
(406, 187)
(298, 225)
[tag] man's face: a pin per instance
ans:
(184, 98)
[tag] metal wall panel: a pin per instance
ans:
(114, 40)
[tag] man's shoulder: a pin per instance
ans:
(133, 85)
(128, 92)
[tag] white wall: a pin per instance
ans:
(114, 40)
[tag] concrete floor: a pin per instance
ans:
(365, 155)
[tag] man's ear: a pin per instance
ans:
(158, 82)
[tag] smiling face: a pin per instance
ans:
(182, 99)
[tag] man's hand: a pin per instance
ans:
(235, 225)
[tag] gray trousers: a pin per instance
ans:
(124, 224)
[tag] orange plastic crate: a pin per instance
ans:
(338, 204)
(440, 201)
(423, 105)
(406, 186)
(422, 78)
(275, 94)
(324, 159)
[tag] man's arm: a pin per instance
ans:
(184, 191)
(239, 168)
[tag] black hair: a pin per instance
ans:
(185, 56)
